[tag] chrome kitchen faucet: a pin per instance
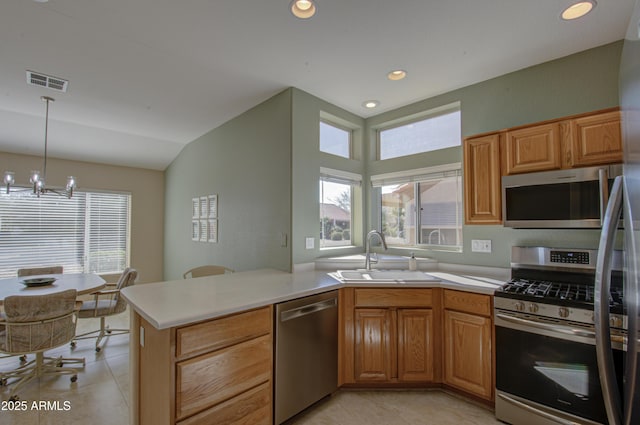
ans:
(368, 260)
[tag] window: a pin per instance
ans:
(336, 207)
(335, 140)
(422, 207)
(87, 233)
(440, 130)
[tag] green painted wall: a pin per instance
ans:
(264, 165)
(307, 160)
(582, 82)
(247, 162)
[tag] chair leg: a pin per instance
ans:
(102, 333)
(43, 366)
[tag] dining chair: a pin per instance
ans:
(35, 324)
(106, 302)
(40, 270)
(206, 271)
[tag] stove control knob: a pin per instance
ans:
(519, 306)
(533, 308)
(563, 312)
(615, 322)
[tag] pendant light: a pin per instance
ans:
(36, 179)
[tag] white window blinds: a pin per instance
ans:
(87, 233)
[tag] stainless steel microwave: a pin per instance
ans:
(573, 198)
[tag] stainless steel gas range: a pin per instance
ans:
(546, 363)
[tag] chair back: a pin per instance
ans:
(206, 271)
(127, 278)
(40, 270)
(39, 322)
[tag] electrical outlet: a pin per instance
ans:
(309, 243)
(481, 245)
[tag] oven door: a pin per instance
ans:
(547, 371)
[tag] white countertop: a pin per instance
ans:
(180, 302)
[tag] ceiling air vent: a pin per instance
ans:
(42, 80)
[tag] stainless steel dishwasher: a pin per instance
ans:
(306, 357)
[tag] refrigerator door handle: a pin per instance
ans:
(603, 180)
(606, 368)
(632, 291)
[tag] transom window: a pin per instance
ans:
(422, 207)
(88, 233)
(335, 140)
(441, 129)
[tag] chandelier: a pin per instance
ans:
(36, 179)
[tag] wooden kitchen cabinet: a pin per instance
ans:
(216, 371)
(593, 140)
(468, 351)
(578, 141)
(533, 148)
(482, 196)
(390, 336)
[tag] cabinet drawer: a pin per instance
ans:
(210, 379)
(251, 407)
(220, 333)
(467, 302)
(403, 297)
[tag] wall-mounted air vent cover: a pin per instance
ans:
(42, 80)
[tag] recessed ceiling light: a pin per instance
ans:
(578, 10)
(370, 104)
(303, 9)
(397, 74)
(41, 1)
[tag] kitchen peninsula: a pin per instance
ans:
(185, 333)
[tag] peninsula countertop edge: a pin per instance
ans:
(186, 301)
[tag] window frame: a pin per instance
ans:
(415, 177)
(414, 118)
(354, 180)
(348, 130)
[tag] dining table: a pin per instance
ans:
(84, 283)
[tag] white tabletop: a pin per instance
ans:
(84, 283)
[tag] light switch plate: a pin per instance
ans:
(481, 245)
(309, 243)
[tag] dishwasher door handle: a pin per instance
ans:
(305, 310)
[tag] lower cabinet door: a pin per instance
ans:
(374, 353)
(250, 408)
(467, 358)
(415, 345)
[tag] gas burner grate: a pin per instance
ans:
(578, 292)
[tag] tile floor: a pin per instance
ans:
(433, 407)
(101, 395)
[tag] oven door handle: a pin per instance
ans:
(547, 327)
(535, 411)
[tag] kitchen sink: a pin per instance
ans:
(383, 276)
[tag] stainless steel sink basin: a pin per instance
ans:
(383, 276)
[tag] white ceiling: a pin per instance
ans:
(146, 77)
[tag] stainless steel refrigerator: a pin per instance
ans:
(622, 399)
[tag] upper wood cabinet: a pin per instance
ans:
(594, 140)
(482, 203)
(535, 148)
(578, 141)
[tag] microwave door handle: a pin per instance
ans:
(603, 179)
(604, 354)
